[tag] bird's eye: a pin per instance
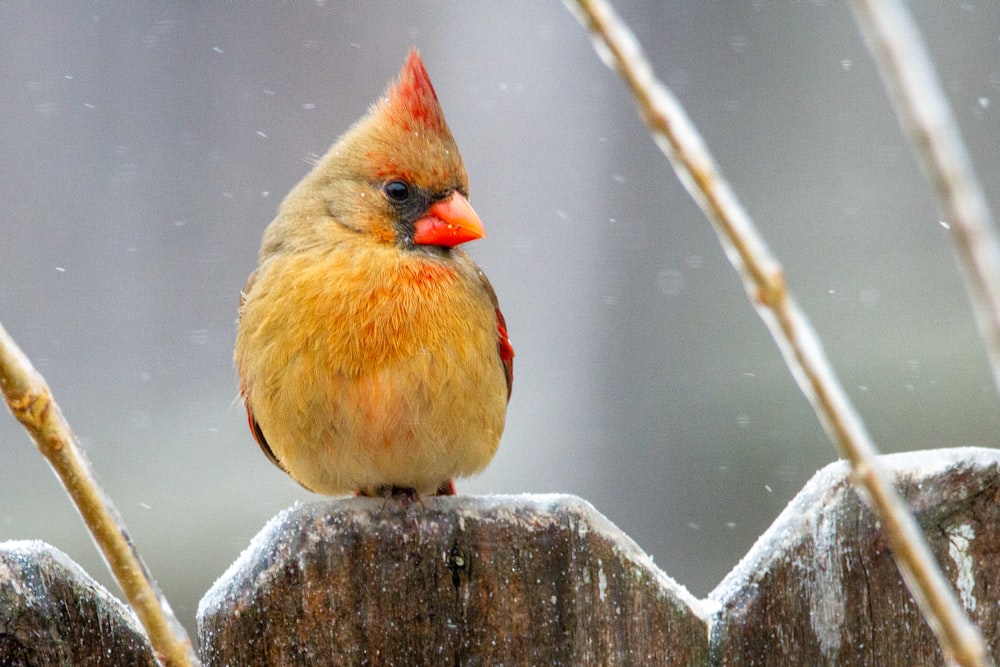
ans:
(396, 191)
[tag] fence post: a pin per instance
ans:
(53, 613)
(544, 580)
(516, 580)
(820, 587)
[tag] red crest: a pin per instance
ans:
(412, 99)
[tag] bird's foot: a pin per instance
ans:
(405, 495)
(447, 488)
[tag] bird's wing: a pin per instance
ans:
(504, 348)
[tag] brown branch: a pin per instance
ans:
(908, 74)
(803, 353)
(31, 402)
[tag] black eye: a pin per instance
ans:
(396, 191)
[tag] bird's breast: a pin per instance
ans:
(355, 359)
(373, 370)
(357, 312)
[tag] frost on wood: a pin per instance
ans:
(539, 580)
(820, 588)
(545, 580)
(52, 613)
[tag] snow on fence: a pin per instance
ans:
(544, 580)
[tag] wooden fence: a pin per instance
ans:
(544, 580)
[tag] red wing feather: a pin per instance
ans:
(506, 351)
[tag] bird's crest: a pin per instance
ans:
(405, 136)
(411, 101)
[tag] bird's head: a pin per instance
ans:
(396, 175)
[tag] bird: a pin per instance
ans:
(372, 353)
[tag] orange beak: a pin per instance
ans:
(448, 223)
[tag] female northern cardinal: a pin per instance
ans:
(372, 354)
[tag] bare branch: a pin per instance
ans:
(30, 400)
(765, 285)
(908, 73)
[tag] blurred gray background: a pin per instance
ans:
(146, 145)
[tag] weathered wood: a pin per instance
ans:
(544, 580)
(53, 613)
(820, 587)
(519, 580)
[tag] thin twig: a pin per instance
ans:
(908, 74)
(30, 400)
(765, 285)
